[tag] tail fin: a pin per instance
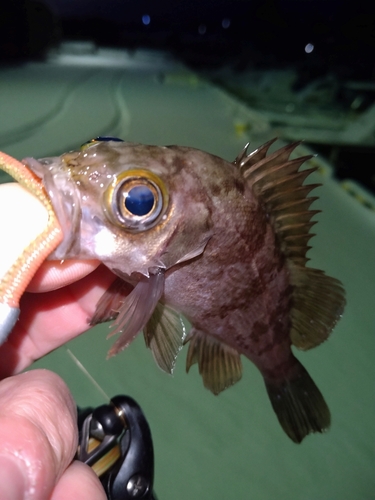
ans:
(299, 406)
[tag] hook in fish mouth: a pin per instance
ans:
(65, 200)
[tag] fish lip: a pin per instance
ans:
(65, 198)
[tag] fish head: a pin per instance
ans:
(131, 206)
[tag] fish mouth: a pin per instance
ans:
(65, 198)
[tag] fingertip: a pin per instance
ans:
(79, 481)
(54, 274)
(38, 426)
(13, 483)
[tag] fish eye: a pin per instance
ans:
(136, 200)
(99, 139)
(139, 200)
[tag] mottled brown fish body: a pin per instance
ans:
(222, 243)
(238, 290)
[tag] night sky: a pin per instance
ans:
(266, 31)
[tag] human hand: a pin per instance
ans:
(57, 307)
(38, 423)
(47, 320)
(38, 435)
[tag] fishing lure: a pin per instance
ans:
(15, 279)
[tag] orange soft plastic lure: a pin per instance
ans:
(25, 264)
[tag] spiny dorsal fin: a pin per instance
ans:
(258, 159)
(254, 156)
(219, 364)
(277, 181)
(164, 334)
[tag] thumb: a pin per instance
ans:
(38, 434)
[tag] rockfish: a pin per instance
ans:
(223, 244)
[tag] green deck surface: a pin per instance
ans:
(207, 447)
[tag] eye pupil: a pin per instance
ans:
(139, 200)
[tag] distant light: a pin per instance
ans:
(202, 29)
(309, 48)
(225, 23)
(146, 19)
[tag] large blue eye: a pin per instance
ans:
(136, 200)
(140, 200)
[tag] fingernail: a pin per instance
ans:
(12, 479)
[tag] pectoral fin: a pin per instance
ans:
(136, 310)
(110, 302)
(165, 334)
(219, 364)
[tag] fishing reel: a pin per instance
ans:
(115, 440)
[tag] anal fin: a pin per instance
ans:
(299, 406)
(219, 364)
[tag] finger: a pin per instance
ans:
(38, 434)
(49, 320)
(53, 274)
(79, 482)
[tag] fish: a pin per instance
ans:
(222, 244)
